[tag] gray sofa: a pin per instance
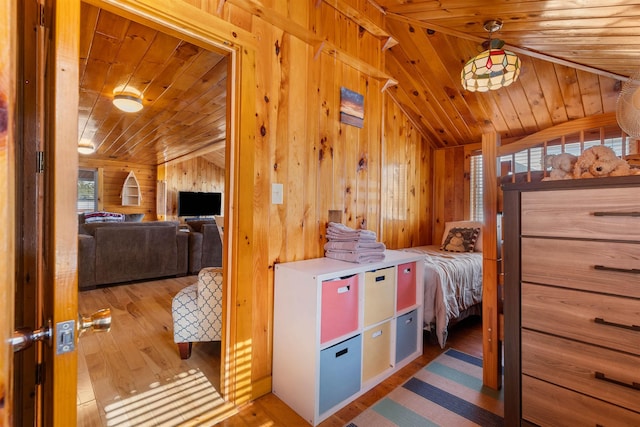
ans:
(127, 251)
(205, 245)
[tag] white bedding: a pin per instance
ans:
(452, 284)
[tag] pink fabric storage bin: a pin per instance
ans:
(406, 285)
(339, 308)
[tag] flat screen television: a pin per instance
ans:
(196, 204)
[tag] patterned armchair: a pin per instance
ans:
(197, 311)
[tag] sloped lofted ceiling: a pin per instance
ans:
(574, 56)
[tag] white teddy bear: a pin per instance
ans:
(561, 165)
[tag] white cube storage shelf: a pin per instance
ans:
(341, 328)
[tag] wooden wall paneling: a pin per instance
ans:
(386, 123)
(448, 187)
(369, 162)
(196, 174)
(440, 192)
(255, 174)
(413, 175)
(269, 121)
(425, 231)
(113, 175)
(297, 146)
(313, 228)
(370, 157)
(325, 191)
(271, 154)
(386, 193)
(350, 135)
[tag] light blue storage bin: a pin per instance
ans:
(340, 367)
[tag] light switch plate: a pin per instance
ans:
(277, 195)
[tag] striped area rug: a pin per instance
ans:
(447, 392)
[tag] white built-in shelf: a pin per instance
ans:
(131, 191)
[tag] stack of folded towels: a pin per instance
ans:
(348, 244)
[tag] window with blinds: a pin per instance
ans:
(476, 212)
(87, 190)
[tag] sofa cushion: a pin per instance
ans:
(197, 225)
(133, 252)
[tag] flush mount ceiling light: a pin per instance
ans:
(127, 102)
(492, 69)
(85, 146)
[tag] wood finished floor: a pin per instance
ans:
(139, 354)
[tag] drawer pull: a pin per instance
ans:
(407, 270)
(409, 320)
(342, 352)
(343, 289)
(376, 334)
(380, 278)
(619, 270)
(633, 385)
(616, 214)
(601, 321)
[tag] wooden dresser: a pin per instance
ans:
(572, 302)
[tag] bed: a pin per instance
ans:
(452, 281)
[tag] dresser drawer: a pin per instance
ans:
(598, 372)
(549, 405)
(607, 267)
(603, 320)
(576, 213)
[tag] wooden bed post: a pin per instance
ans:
(491, 345)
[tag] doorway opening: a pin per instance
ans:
(131, 366)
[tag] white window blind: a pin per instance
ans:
(476, 211)
(87, 190)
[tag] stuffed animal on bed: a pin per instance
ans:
(600, 161)
(561, 166)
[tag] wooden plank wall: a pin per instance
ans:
(407, 182)
(450, 201)
(113, 174)
(191, 175)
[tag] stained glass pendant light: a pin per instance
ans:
(492, 69)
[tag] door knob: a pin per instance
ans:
(100, 321)
(25, 337)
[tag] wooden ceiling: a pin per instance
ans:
(183, 87)
(575, 54)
